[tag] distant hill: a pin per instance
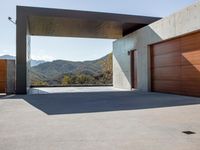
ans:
(33, 62)
(37, 62)
(77, 72)
(7, 57)
(51, 70)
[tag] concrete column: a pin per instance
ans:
(21, 52)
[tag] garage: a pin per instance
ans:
(175, 65)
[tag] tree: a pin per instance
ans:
(81, 79)
(66, 80)
(107, 63)
(39, 83)
(107, 66)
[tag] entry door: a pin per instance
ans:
(133, 57)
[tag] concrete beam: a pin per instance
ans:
(75, 23)
(21, 52)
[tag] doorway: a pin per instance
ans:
(133, 58)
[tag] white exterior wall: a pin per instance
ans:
(177, 24)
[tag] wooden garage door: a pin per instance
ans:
(175, 66)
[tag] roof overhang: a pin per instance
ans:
(74, 23)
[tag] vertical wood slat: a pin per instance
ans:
(3, 76)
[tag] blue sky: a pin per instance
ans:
(50, 48)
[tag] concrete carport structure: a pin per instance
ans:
(66, 23)
(150, 54)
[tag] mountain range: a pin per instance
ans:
(33, 62)
(53, 72)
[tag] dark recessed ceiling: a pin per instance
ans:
(73, 23)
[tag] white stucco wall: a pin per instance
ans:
(177, 24)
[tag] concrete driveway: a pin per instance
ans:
(53, 90)
(99, 121)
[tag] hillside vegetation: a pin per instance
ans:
(65, 73)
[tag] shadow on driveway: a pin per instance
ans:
(69, 103)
